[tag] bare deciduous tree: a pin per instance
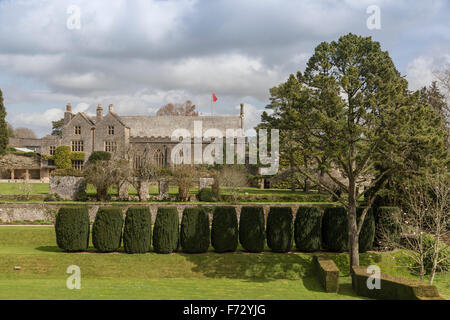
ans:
(233, 178)
(184, 175)
(424, 224)
(178, 109)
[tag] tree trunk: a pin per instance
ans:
(101, 194)
(352, 229)
(307, 184)
(291, 168)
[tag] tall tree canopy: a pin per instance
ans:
(351, 111)
(3, 127)
(24, 133)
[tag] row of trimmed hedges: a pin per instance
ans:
(311, 231)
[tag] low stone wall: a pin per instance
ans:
(327, 271)
(10, 212)
(392, 288)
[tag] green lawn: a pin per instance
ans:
(175, 276)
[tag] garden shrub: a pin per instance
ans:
(137, 233)
(251, 229)
(224, 230)
(99, 156)
(367, 234)
(280, 229)
(195, 233)
(443, 257)
(387, 226)
(205, 195)
(335, 229)
(307, 229)
(166, 230)
(72, 228)
(107, 229)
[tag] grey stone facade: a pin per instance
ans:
(149, 135)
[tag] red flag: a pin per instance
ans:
(214, 97)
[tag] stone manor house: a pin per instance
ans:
(110, 132)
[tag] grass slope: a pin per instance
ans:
(175, 276)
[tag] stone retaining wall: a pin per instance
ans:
(10, 212)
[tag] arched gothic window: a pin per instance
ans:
(159, 158)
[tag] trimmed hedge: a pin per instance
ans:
(72, 228)
(387, 224)
(280, 229)
(327, 271)
(195, 233)
(99, 156)
(137, 233)
(251, 229)
(166, 230)
(392, 288)
(224, 230)
(107, 229)
(307, 229)
(206, 195)
(335, 229)
(367, 234)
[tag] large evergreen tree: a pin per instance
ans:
(3, 127)
(352, 112)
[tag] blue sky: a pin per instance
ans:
(141, 54)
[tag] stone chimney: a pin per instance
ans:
(99, 113)
(68, 114)
(242, 116)
(111, 108)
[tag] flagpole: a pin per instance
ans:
(212, 111)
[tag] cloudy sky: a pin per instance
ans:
(142, 54)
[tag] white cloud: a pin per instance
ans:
(421, 71)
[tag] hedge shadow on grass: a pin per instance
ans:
(251, 267)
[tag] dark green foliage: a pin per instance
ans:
(387, 226)
(335, 229)
(137, 233)
(367, 235)
(72, 228)
(195, 233)
(3, 127)
(206, 195)
(224, 231)
(251, 229)
(166, 230)
(307, 229)
(280, 229)
(107, 229)
(99, 156)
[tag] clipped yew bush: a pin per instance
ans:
(107, 229)
(224, 230)
(72, 228)
(387, 226)
(252, 234)
(335, 229)
(195, 233)
(280, 229)
(166, 230)
(137, 234)
(307, 229)
(367, 234)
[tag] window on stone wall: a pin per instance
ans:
(137, 163)
(77, 165)
(77, 146)
(110, 146)
(77, 130)
(52, 150)
(159, 158)
(111, 130)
